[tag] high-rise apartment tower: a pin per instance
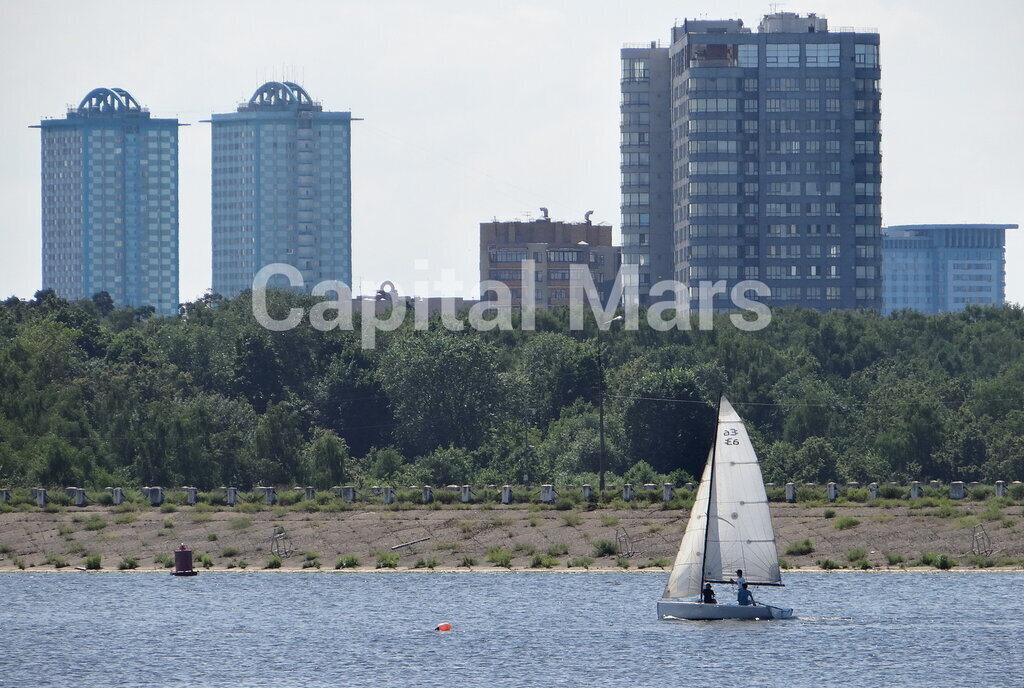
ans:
(755, 156)
(281, 190)
(110, 202)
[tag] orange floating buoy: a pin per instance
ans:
(445, 626)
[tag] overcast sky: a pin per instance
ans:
(482, 109)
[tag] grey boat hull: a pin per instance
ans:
(698, 611)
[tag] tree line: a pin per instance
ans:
(94, 395)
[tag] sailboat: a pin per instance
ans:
(730, 528)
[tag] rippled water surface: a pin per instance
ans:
(509, 629)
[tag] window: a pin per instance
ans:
(832, 84)
(782, 105)
(507, 255)
(832, 146)
(635, 69)
(812, 84)
(822, 54)
(812, 105)
(636, 118)
(639, 198)
(866, 55)
(782, 55)
(865, 126)
(715, 209)
(636, 219)
(636, 98)
(558, 275)
(832, 188)
(749, 126)
(833, 252)
(565, 256)
(750, 105)
(783, 85)
(864, 147)
(711, 126)
(712, 105)
(831, 105)
(712, 188)
(747, 55)
(812, 147)
(628, 159)
(749, 84)
(636, 178)
(713, 167)
(712, 146)
(783, 189)
(634, 138)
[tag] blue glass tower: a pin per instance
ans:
(110, 202)
(943, 268)
(282, 189)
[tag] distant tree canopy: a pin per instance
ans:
(95, 395)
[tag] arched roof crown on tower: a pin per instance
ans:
(108, 100)
(280, 94)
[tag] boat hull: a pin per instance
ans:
(698, 611)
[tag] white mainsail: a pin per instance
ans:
(730, 526)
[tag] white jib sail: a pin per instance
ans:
(733, 507)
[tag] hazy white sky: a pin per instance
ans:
(486, 108)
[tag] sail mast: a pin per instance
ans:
(711, 487)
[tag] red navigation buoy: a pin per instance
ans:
(445, 626)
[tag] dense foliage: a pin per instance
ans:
(92, 395)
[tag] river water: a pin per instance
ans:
(508, 629)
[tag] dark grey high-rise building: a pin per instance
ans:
(282, 190)
(755, 156)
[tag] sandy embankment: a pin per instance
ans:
(231, 537)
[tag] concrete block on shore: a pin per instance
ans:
(915, 490)
(78, 497)
(831, 492)
(1000, 488)
(269, 494)
(873, 490)
(191, 494)
(116, 495)
(588, 492)
(310, 493)
(466, 494)
(667, 490)
(39, 494)
(547, 493)
(155, 495)
(790, 492)
(627, 492)
(956, 490)
(506, 494)
(348, 493)
(5, 495)
(388, 494)
(230, 495)
(428, 494)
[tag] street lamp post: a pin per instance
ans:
(600, 403)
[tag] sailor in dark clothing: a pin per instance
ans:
(707, 595)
